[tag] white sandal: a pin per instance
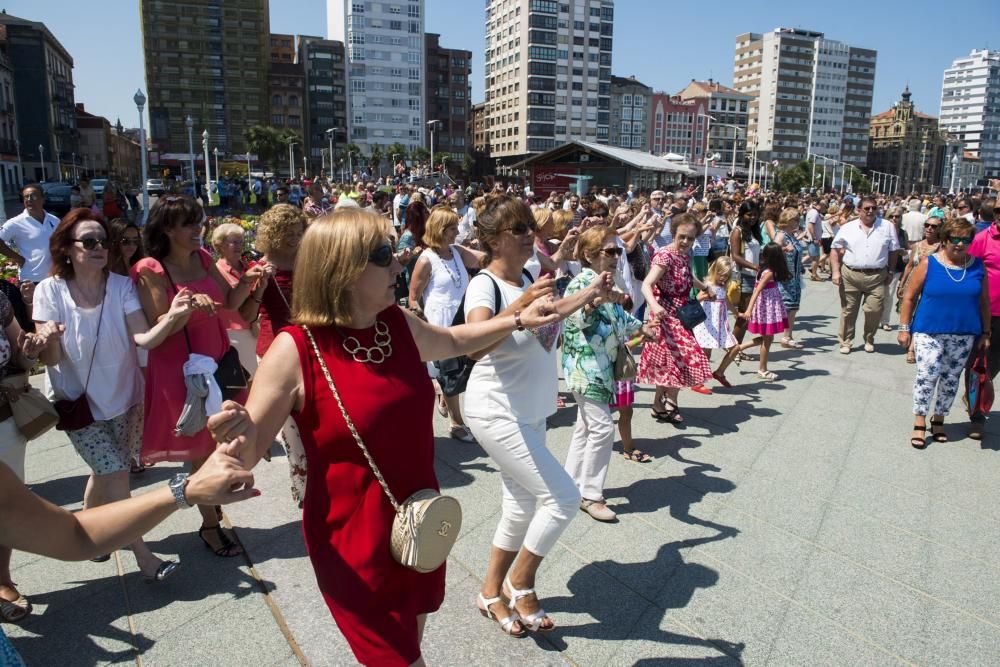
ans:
(532, 622)
(506, 624)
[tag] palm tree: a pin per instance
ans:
(352, 150)
(266, 142)
(375, 159)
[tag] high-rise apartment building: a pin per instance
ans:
(548, 74)
(448, 99)
(810, 95)
(385, 69)
(42, 98)
(282, 48)
(631, 101)
(324, 63)
(970, 106)
(286, 89)
(730, 112)
(207, 59)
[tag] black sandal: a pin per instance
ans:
(224, 551)
(938, 437)
(671, 415)
(919, 443)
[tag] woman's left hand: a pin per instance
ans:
(229, 423)
(649, 329)
(603, 287)
(984, 342)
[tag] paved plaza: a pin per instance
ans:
(788, 523)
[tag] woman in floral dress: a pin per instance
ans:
(674, 360)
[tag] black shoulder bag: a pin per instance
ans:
(75, 413)
(229, 374)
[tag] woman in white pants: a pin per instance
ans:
(593, 338)
(511, 392)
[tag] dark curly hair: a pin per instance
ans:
(168, 213)
(116, 258)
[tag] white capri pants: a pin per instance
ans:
(539, 496)
(590, 449)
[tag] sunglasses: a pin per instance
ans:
(867, 208)
(612, 252)
(964, 240)
(930, 225)
(521, 228)
(381, 256)
(961, 206)
(90, 243)
(129, 242)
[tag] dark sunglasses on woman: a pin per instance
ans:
(964, 240)
(612, 252)
(521, 228)
(381, 256)
(91, 243)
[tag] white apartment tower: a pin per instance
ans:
(810, 95)
(548, 74)
(385, 69)
(970, 106)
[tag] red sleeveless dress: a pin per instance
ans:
(347, 517)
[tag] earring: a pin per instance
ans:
(67, 260)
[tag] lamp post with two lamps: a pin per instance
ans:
(329, 135)
(41, 154)
(140, 103)
(189, 124)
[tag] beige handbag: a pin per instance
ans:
(426, 524)
(33, 414)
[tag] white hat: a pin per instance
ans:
(346, 202)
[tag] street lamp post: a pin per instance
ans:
(329, 135)
(140, 102)
(304, 165)
(189, 124)
(215, 152)
(291, 159)
(20, 167)
(76, 175)
(208, 168)
(41, 153)
(954, 169)
(431, 125)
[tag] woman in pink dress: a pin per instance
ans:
(176, 259)
(675, 359)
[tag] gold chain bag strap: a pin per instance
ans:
(426, 524)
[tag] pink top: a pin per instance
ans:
(986, 246)
(231, 318)
(165, 388)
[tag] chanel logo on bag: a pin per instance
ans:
(443, 530)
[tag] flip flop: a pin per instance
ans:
(14, 611)
(636, 455)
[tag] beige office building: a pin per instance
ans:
(548, 74)
(809, 94)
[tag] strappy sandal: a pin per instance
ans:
(224, 551)
(791, 344)
(14, 611)
(769, 376)
(919, 443)
(938, 437)
(531, 622)
(672, 414)
(506, 624)
(636, 455)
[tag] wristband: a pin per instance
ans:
(904, 328)
(517, 320)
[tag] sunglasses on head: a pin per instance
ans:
(90, 243)
(612, 252)
(381, 256)
(964, 240)
(521, 228)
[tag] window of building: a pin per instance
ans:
(278, 120)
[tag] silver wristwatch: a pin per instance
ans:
(177, 483)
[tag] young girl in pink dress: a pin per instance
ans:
(765, 311)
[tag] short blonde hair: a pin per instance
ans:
(787, 216)
(561, 219)
(543, 222)
(333, 254)
(274, 225)
(224, 231)
(441, 217)
(589, 243)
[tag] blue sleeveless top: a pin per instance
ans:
(949, 303)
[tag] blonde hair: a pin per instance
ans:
(223, 231)
(561, 218)
(333, 254)
(441, 217)
(720, 271)
(788, 215)
(589, 243)
(543, 222)
(274, 225)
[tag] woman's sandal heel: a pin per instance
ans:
(919, 443)
(938, 437)
(531, 622)
(506, 624)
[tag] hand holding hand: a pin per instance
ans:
(603, 287)
(835, 278)
(656, 312)
(540, 312)
(27, 289)
(903, 338)
(538, 289)
(404, 256)
(984, 342)
(649, 329)
(230, 423)
(182, 305)
(221, 480)
(204, 303)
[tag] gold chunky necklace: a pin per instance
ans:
(377, 353)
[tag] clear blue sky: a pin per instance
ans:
(663, 43)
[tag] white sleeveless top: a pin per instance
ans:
(444, 291)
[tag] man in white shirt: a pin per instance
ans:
(30, 232)
(863, 250)
(913, 222)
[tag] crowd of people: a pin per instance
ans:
(368, 307)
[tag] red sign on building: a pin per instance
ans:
(547, 179)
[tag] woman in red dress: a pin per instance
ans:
(675, 359)
(345, 278)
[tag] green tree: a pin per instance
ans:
(444, 160)
(794, 178)
(266, 142)
(468, 164)
(375, 159)
(420, 154)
